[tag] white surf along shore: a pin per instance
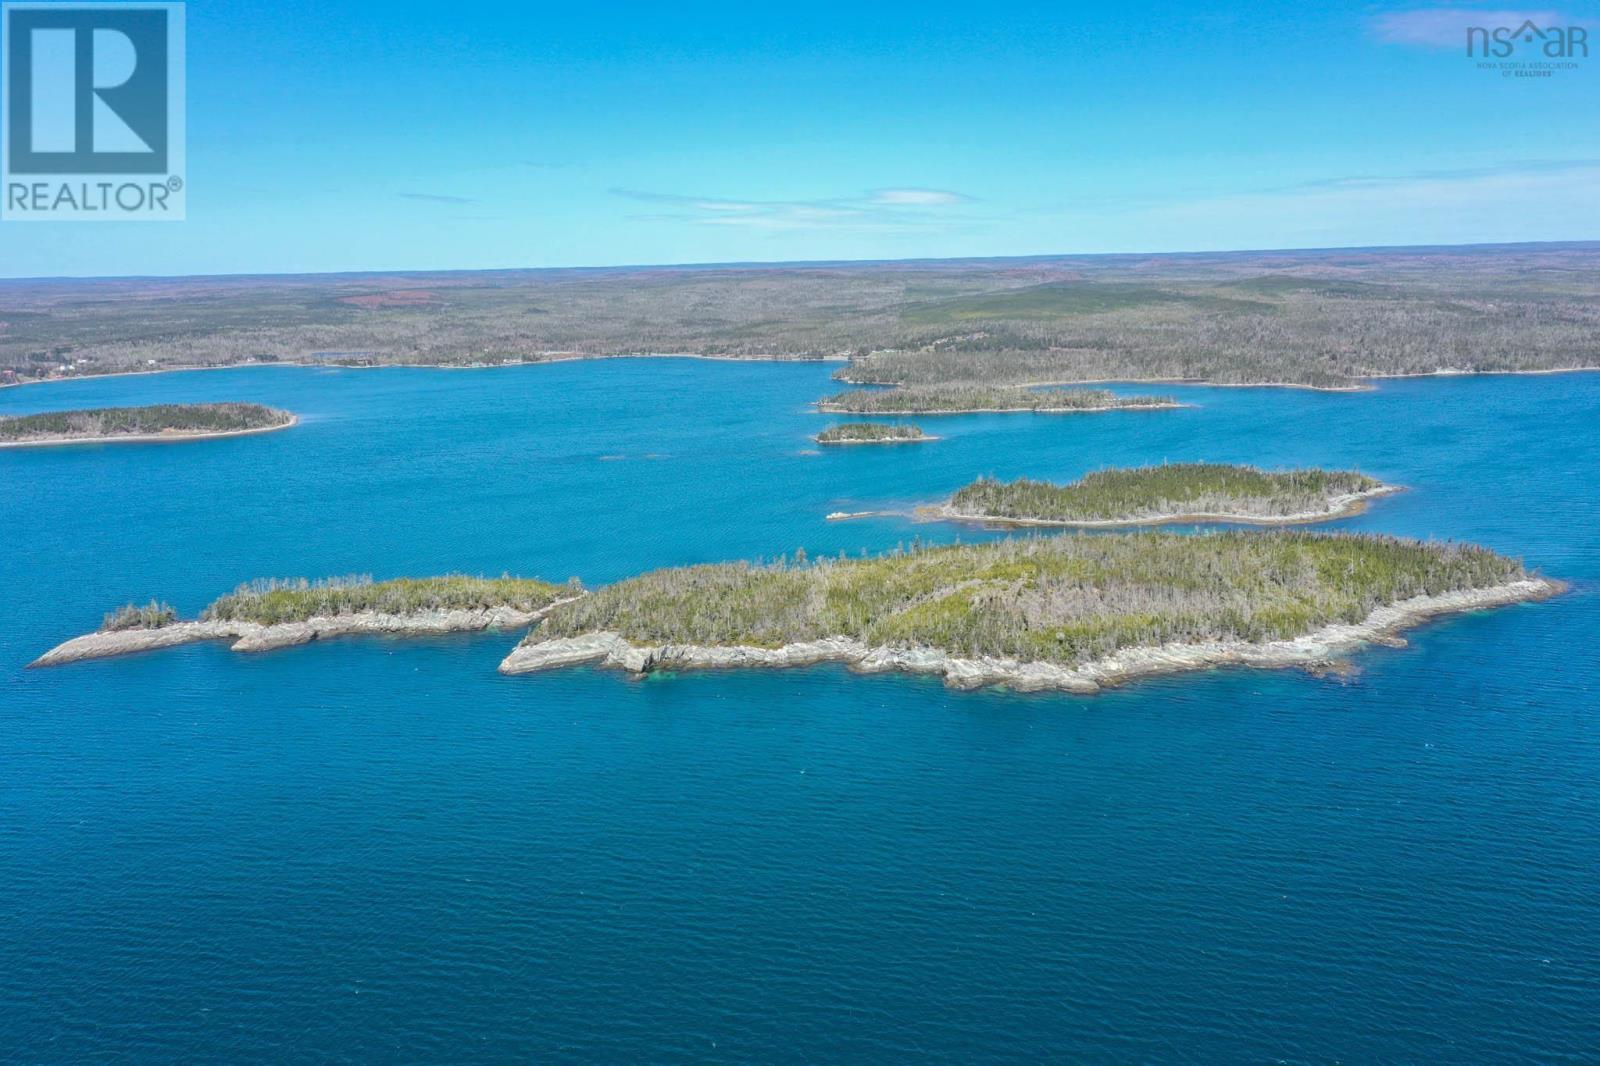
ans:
(253, 636)
(612, 651)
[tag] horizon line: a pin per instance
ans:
(802, 264)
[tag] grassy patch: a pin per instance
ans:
(153, 615)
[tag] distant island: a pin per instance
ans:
(978, 399)
(872, 433)
(160, 422)
(1071, 613)
(1174, 492)
(274, 614)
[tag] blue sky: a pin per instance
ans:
(391, 136)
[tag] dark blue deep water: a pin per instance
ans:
(372, 850)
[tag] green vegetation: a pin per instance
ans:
(113, 422)
(1060, 300)
(1163, 491)
(1285, 284)
(955, 399)
(153, 615)
(1050, 301)
(1063, 599)
(1305, 317)
(869, 433)
(270, 602)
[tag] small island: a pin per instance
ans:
(872, 433)
(272, 614)
(157, 423)
(1174, 492)
(981, 399)
(1071, 613)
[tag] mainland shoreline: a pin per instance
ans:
(836, 409)
(1361, 384)
(319, 365)
(580, 358)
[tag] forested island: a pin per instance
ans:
(277, 613)
(1071, 613)
(1173, 492)
(158, 422)
(872, 433)
(1066, 612)
(978, 399)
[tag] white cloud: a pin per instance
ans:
(437, 198)
(1446, 27)
(1516, 201)
(893, 209)
(917, 198)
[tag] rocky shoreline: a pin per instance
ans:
(612, 651)
(147, 438)
(837, 409)
(1344, 506)
(253, 636)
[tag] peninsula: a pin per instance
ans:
(872, 433)
(1069, 613)
(1174, 492)
(265, 615)
(981, 399)
(161, 422)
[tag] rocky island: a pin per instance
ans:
(981, 399)
(1070, 613)
(275, 614)
(872, 433)
(160, 422)
(1174, 492)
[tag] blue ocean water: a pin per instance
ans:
(367, 849)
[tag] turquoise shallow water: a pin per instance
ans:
(364, 849)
